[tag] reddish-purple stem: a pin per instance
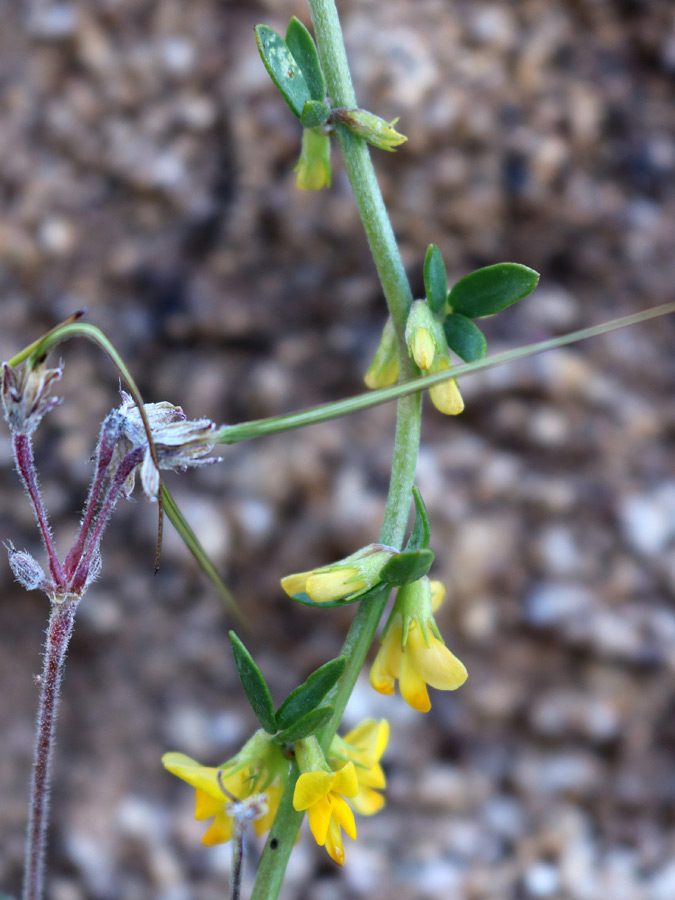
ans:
(124, 469)
(23, 454)
(74, 556)
(58, 635)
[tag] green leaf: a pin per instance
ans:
(283, 69)
(464, 337)
(435, 279)
(407, 566)
(255, 686)
(488, 290)
(419, 537)
(314, 114)
(191, 541)
(303, 49)
(304, 727)
(307, 697)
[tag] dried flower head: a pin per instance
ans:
(180, 443)
(25, 395)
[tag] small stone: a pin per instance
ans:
(542, 880)
(57, 236)
(551, 603)
(648, 519)
(53, 22)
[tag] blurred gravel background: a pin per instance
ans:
(145, 172)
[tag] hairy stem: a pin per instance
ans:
(58, 635)
(23, 455)
(132, 459)
(103, 457)
(397, 292)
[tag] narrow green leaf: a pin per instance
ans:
(314, 114)
(283, 69)
(464, 337)
(232, 434)
(191, 541)
(419, 537)
(435, 279)
(407, 566)
(486, 291)
(307, 697)
(304, 727)
(255, 686)
(301, 44)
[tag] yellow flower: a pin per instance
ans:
(412, 650)
(364, 746)
(322, 794)
(258, 768)
(446, 396)
(345, 579)
(423, 348)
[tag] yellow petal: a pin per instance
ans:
(334, 843)
(220, 831)
(447, 398)
(346, 781)
(263, 824)
(435, 664)
(423, 348)
(295, 584)
(364, 736)
(373, 777)
(203, 777)
(385, 670)
(206, 805)
(367, 802)
(311, 787)
(343, 815)
(319, 815)
(324, 587)
(413, 686)
(437, 594)
(382, 376)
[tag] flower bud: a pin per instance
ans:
(424, 335)
(27, 570)
(371, 128)
(383, 370)
(312, 171)
(446, 396)
(25, 395)
(344, 580)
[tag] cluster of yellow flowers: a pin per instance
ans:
(350, 769)
(348, 777)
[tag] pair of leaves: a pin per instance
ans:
(293, 65)
(301, 714)
(481, 293)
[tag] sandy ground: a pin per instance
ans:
(146, 173)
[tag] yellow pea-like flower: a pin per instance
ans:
(412, 651)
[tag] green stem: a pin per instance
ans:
(399, 298)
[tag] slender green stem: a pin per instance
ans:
(360, 169)
(399, 297)
(232, 434)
